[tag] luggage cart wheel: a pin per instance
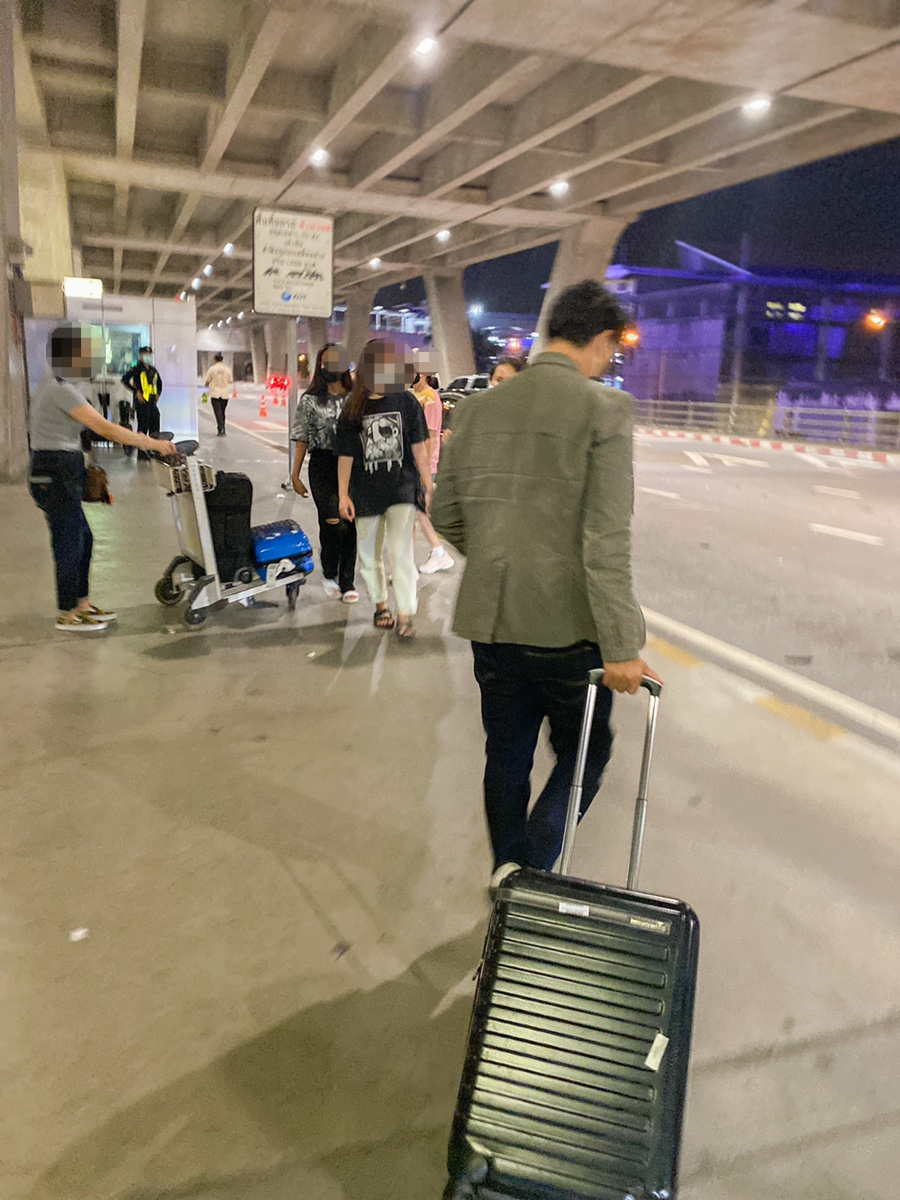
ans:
(165, 593)
(245, 575)
(193, 617)
(458, 1191)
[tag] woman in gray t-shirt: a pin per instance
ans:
(57, 415)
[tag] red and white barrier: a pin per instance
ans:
(685, 435)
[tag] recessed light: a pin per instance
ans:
(212, 325)
(195, 283)
(228, 249)
(426, 46)
(229, 320)
(240, 316)
(560, 188)
(208, 270)
(443, 236)
(757, 106)
(319, 157)
(374, 263)
(220, 324)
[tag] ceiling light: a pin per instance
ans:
(757, 106)
(229, 320)
(426, 46)
(240, 316)
(560, 188)
(212, 326)
(219, 324)
(195, 283)
(443, 236)
(228, 249)
(208, 270)
(182, 295)
(319, 157)
(374, 263)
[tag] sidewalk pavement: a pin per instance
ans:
(270, 831)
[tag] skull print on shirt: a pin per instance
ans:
(382, 438)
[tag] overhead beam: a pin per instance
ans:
(247, 63)
(482, 75)
(155, 245)
(366, 67)
(703, 150)
(573, 96)
(665, 108)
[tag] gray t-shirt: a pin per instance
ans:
(52, 428)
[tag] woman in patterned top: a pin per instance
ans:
(314, 428)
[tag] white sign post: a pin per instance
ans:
(292, 263)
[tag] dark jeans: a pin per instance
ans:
(219, 406)
(520, 687)
(146, 415)
(338, 542)
(57, 485)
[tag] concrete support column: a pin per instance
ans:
(450, 333)
(585, 251)
(258, 353)
(13, 435)
(357, 319)
(281, 345)
(317, 336)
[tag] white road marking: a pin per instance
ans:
(699, 470)
(849, 535)
(657, 492)
(844, 493)
(815, 460)
(697, 458)
(733, 460)
(843, 707)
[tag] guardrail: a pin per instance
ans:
(861, 428)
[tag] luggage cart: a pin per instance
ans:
(193, 574)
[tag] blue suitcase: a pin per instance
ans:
(278, 540)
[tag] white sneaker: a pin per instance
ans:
(500, 876)
(438, 560)
(331, 589)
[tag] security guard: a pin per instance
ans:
(145, 384)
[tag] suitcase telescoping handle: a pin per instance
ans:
(654, 687)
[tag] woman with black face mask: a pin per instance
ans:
(313, 430)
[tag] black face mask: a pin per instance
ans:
(331, 376)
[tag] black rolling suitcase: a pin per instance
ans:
(576, 1068)
(229, 507)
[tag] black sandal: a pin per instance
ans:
(383, 619)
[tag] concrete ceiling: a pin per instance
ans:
(172, 119)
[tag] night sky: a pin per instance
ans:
(840, 214)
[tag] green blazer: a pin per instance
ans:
(536, 489)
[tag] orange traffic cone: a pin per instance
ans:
(262, 406)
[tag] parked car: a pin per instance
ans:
(468, 383)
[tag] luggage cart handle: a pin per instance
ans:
(654, 687)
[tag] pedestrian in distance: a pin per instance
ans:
(145, 384)
(426, 393)
(57, 415)
(383, 466)
(314, 433)
(220, 382)
(506, 368)
(536, 489)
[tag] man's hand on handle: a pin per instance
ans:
(157, 445)
(627, 676)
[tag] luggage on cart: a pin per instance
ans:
(280, 540)
(576, 1068)
(229, 506)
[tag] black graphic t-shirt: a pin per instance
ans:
(384, 470)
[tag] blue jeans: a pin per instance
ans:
(57, 485)
(520, 687)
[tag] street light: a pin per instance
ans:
(875, 320)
